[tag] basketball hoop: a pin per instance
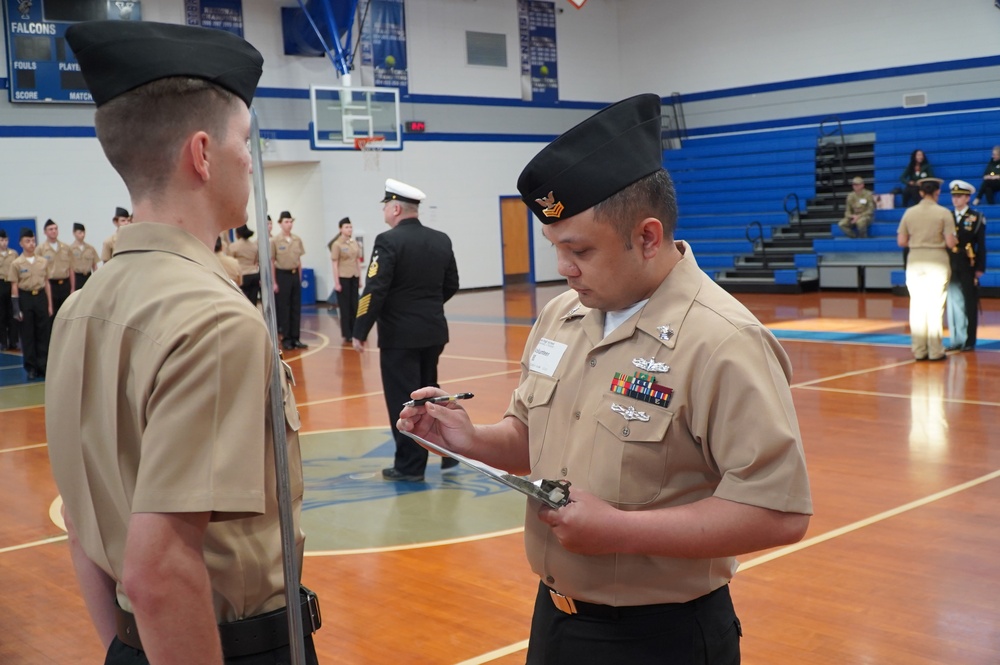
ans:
(371, 148)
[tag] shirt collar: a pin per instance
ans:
(155, 237)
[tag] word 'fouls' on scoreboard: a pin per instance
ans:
(41, 66)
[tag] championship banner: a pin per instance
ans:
(226, 15)
(536, 21)
(383, 44)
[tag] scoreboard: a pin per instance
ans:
(41, 67)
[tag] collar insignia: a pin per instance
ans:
(666, 332)
(550, 207)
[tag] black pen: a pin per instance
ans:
(439, 399)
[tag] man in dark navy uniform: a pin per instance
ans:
(411, 275)
(968, 263)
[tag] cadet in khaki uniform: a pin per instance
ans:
(31, 298)
(121, 218)
(859, 210)
(345, 255)
(157, 411)
(286, 253)
(246, 253)
(928, 231)
(230, 265)
(85, 257)
(60, 258)
(660, 398)
(8, 327)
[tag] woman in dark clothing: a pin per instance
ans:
(918, 168)
(991, 179)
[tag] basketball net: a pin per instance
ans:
(371, 150)
(577, 3)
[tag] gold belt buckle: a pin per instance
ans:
(563, 603)
(35, 292)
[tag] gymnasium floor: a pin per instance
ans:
(899, 566)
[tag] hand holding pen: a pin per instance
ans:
(440, 399)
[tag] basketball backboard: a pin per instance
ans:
(341, 115)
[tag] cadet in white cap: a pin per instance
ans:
(411, 275)
(928, 231)
(858, 211)
(968, 263)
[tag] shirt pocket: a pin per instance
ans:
(629, 458)
(537, 394)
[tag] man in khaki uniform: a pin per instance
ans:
(928, 231)
(60, 258)
(84, 256)
(247, 255)
(287, 251)
(658, 396)
(8, 327)
(858, 211)
(158, 411)
(121, 218)
(31, 299)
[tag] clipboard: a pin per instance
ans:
(553, 493)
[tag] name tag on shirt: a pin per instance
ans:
(546, 356)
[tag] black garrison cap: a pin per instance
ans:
(77, 226)
(601, 156)
(27, 233)
(118, 56)
(121, 212)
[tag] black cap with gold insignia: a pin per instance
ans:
(118, 56)
(594, 160)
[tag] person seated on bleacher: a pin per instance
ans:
(991, 179)
(918, 169)
(858, 211)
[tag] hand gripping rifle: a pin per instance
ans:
(288, 554)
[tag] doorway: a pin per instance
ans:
(515, 238)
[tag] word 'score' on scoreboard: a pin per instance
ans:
(41, 66)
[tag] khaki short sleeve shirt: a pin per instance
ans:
(926, 224)
(108, 248)
(345, 252)
(287, 253)
(60, 259)
(246, 254)
(29, 275)
(84, 258)
(687, 399)
(158, 402)
(7, 258)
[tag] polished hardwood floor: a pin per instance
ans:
(900, 564)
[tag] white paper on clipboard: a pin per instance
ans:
(554, 499)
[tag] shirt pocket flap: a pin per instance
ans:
(630, 419)
(539, 390)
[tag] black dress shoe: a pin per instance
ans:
(955, 347)
(392, 474)
(299, 345)
(288, 345)
(969, 347)
(937, 359)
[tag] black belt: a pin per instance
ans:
(264, 632)
(58, 281)
(33, 292)
(571, 606)
(293, 271)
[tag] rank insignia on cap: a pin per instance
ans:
(642, 387)
(650, 365)
(550, 207)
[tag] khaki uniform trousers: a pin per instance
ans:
(927, 274)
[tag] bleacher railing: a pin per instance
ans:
(758, 241)
(794, 217)
(832, 167)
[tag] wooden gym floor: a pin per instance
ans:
(900, 564)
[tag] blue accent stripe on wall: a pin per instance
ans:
(888, 72)
(18, 131)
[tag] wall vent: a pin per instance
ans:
(914, 100)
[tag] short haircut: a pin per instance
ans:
(930, 186)
(3, 233)
(407, 207)
(651, 196)
(142, 131)
(48, 223)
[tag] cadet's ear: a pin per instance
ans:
(649, 236)
(196, 150)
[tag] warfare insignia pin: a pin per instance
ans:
(650, 365)
(666, 332)
(629, 413)
(550, 207)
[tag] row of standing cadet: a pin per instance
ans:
(35, 284)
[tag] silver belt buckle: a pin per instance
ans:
(563, 603)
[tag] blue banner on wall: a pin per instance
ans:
(383, 44)
(539, 61)
(224, 15)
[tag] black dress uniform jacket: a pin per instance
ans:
(971, 232)
(411, 275)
